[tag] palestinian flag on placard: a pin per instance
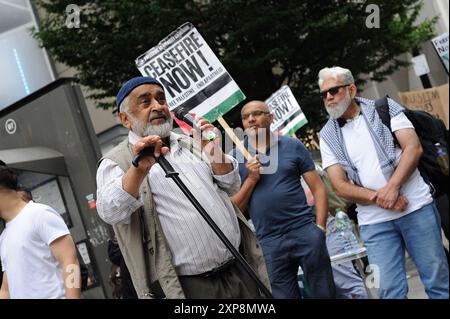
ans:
(295, 122)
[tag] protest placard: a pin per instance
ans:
(433, 101)
(440, 44)
(193, 77)
(287, 114)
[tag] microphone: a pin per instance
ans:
(161, 160)
(149, 151)
(183, 115)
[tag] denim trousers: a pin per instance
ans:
(419, 233)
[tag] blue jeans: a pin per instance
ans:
(303, 247)
(420, 234)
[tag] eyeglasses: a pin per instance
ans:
(245, 116)
(333, 91)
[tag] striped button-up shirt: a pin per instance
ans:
(194, 246)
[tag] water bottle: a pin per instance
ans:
(442, 158)
(344, 227)
(304, 290)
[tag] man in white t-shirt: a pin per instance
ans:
(38, 254)
(395, 208)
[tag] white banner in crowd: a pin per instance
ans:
(287, 114)
(441, 45)
(193, 77)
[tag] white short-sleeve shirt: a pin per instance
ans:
(31, 269)
(361, 150)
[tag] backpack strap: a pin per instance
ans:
(382, 107)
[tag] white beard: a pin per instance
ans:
(144, 129)
(336, 111)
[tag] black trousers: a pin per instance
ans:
(230, 283)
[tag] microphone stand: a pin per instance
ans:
(171, 173)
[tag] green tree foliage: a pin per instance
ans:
(262, 43)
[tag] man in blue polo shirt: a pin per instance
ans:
(271, 192)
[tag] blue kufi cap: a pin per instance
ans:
(130, 85)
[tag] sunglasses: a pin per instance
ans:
(245, 116)
(333, 91)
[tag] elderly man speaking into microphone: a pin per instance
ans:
(170, 250)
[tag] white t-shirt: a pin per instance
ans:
(362, 152)
(32, 271)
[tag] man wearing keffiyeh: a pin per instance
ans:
(396, 211)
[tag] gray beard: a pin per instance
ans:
(339, 109)
(145, 129)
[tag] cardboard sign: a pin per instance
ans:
(191, 74)
(433, 101)
(287, 114)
